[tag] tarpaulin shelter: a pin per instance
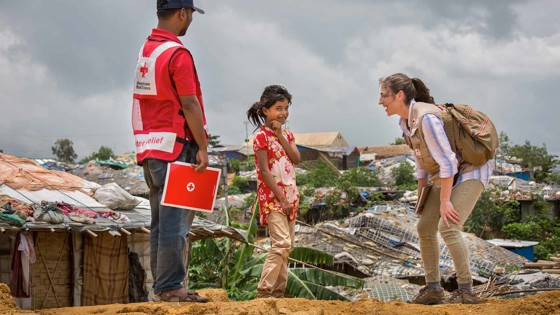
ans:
(77, 260)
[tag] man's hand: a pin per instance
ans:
(202, 160)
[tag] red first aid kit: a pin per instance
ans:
(189, 189)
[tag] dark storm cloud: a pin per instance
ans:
(86, 45)
(496, 19)
(67, 65)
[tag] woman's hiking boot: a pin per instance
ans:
(464, 297)
(429, 296)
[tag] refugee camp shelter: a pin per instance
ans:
(522, 248)
(237, 152)
(376, 153)
(341, 158)
(527, 210)
(72, 249)
(321, 140)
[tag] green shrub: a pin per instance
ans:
(360, 177)
(303, 207)
(404, 176)
(318, 175)
(544, 231)
(242, 183)
(490, 215)
(235, 165)
(522, 231)
(306, 191)
(547, 248)
(234, 190)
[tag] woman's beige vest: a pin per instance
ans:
(416, 140)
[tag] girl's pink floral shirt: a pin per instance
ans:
(282, 170)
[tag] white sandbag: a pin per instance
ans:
(114, 197)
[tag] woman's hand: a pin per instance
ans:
(448, 213)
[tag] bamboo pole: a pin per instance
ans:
(523, 291)
(90, 233)
(226, 232)
(125, 231)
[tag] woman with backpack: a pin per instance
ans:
(457, 185)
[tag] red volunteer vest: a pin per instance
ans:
(159, 127)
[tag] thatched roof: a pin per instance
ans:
(321, 139)
(386, 151)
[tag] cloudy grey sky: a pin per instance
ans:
(66, 66)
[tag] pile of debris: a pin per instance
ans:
(130, 179)
(381, 246)
(518, 283)
(511, 188)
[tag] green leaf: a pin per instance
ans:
(253, 271)
(255, 261)
(323, 278)
(304, 289)
(253, 227)
(299, 288)
(245, 251)
(312, 256)
(206, 250)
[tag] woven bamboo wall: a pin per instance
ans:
(51, 284)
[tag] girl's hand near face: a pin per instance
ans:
(287, 207)
(276, 126)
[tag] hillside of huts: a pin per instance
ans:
(76, 235)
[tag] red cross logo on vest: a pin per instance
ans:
(144, 70)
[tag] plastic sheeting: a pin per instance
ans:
(22, 173)
(114, 197)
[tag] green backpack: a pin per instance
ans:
(471, 133)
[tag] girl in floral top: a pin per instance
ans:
(275, 156)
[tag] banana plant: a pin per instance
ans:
(240, 270)
(304, 282)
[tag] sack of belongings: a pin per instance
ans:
(114, 197)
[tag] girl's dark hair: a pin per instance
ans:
(269, 97)
(412, 88)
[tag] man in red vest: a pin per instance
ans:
(169, 125)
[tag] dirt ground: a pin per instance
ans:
(540, 304)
